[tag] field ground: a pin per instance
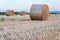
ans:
(23, 28)
(52, 17)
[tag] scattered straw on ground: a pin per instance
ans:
(30, 30)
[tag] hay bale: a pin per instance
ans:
(10, 13)
(39, 12)
(23, 12)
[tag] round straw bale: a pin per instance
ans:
(23, 12)
(10, 13)
(39, 12)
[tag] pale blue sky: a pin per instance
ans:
(19, 5)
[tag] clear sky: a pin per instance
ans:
(19, 5)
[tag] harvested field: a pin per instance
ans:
(25, 29)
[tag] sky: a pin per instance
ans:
(19, 5)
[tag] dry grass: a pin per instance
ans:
(30, 30)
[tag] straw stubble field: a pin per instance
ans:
(22, 28)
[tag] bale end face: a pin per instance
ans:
(39, 12)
